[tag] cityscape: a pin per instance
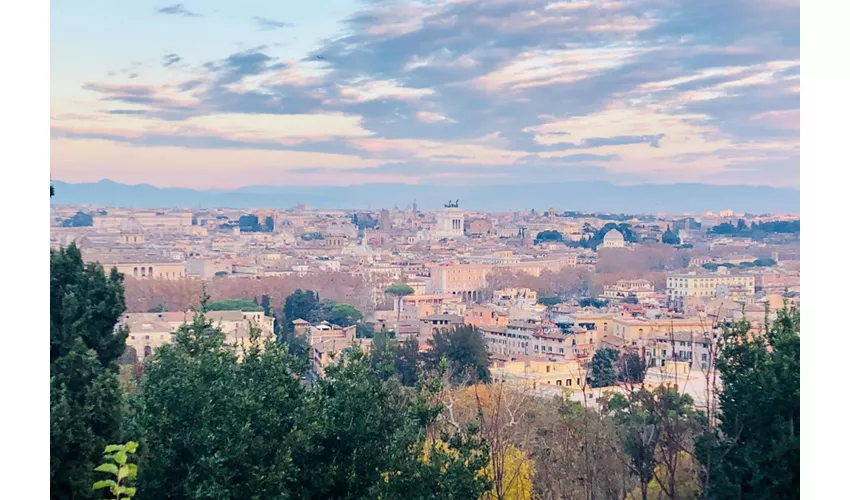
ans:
(449, 249)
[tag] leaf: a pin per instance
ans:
(112, 448)
(111, 468)
(130, 492)
(120, 457)
(131, 446)
(132, 469)
(122, 472)
(106, 483)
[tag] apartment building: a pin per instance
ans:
(705, 285)
(327, 341)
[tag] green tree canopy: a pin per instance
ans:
(85, 395)
(464, 349)
(234, 305)
(344, 315)
(756, 452)
(603, 367)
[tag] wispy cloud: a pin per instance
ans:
(177, 10)
(267, 24)
(171, 59)
(637, 89)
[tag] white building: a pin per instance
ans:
(613, 239)
(449, 224)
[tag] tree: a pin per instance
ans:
(549, 301)
(371, 441)
(159, 308)
(464, 349)
(603, 367)
(299, 305)
(85, 393)
(344, 315)
(639, 434)
(669, 237)
(756, 453)
(213, 426)
(79, 219)
(631, 368)
(398, 291)
(234, 305)
(548, 236)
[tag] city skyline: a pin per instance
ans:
(213, 95)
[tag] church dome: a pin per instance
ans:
(132, 226)
(613, 235)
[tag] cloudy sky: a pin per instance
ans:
(218, 94)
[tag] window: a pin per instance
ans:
(557, 382)
(569, 382)
(704, 357)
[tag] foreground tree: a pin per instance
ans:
(756, 453)
(371, 436)
(85, 393)
(214, 427)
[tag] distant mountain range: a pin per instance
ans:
(577, 196)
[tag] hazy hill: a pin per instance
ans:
(585, 196)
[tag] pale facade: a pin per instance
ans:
(147, 331)
(705, 285)
(449, 224)
(638, 288)
(141, 269)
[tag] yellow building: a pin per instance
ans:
(539, 373)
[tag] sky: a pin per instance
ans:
(220, 94)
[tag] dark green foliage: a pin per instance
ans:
(299, 305)
(592, 302)
(212, 427)
(234, 305)
(464, 349)
(221, 274)
(312, 236)
(631, 368)
(670, 238)
(364, 331)
(764, 263)
(159, 308)
(548, 237)
(391, 357)
(756, 453)
(549, 301)
(603, 367)
(371, 436)
(597, 235)
(742, 229)
(364, 221)
(79, 219)
(344, 315)
(85, 395)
